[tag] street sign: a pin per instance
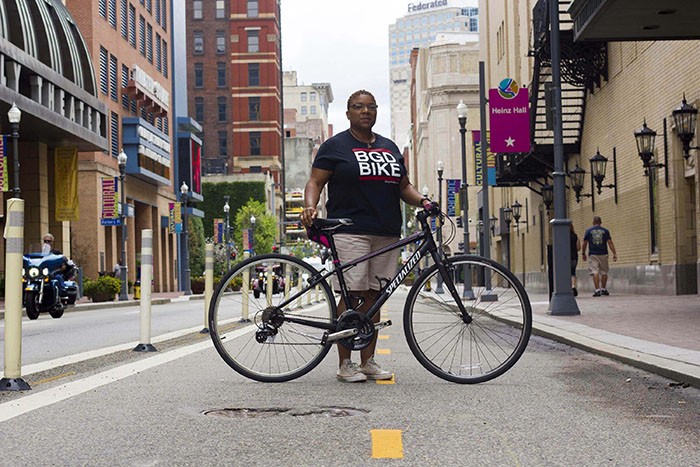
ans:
(509, 118)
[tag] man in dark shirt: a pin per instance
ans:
(597, 239)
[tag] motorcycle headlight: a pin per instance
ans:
(45, 271)
(23, 272)
(33, 272)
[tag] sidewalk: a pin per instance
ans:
(660, 334)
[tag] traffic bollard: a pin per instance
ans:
(208, 283)
(145, 300)
(14, 246)
(245, 302)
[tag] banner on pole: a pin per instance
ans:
(3, 164)
(110, 208)
(219, 231)
(66, 186)
(509, 117)
(452, 196)
(490, 168)
(175, 218)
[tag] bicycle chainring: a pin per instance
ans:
(364, 325)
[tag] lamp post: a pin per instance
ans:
(15, 115)
(123, 270)
(685, 118)
(252, 235)
(507, 218)
(440, 170)
(227, 209)
(424, 191)
(184, 196)
(645, 138)
(467, 293)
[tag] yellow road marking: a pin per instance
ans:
(54, 378)
(383, 351)
(387, 381)
(383, 337)
(387, 444)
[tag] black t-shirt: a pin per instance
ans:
(365, 183)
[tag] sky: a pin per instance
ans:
(344, 43)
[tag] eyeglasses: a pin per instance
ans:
(370, 107)
(47, 241)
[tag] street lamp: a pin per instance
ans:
(184, 196)
(517, 213)
(493, 220)
(123, 294)
(645, 138)
(15, 115)
(547, 195)
(252, 235)
(424, 191)
(507, 214)
(462, 119)
(685, 118)
(227, 208)
(440, 170)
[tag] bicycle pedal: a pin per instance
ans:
(382, 324)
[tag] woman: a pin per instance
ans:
(366, 179)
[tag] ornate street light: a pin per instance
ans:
(123, 294)
(517, 212)
(467, 293)
(252, 235)
(578, 175)
(685, 118)
(645, 138)
(15, 115)
(507, 216)
(493, 220)
(184, 197)
(440, 170)
(227, 209)
(547, 195)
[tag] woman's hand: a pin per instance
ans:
(307, 216)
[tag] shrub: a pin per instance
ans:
(197, 285)
(103, 289)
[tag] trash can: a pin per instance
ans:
(137, 290)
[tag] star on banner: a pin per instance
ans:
(510, 142)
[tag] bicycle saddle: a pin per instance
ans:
(330, 224)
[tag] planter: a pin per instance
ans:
(102, 297)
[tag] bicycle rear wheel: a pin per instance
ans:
(252, 335)
(453, 348)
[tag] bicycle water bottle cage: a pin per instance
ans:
(317, 232)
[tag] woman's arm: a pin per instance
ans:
(410, 195)
(312, 194)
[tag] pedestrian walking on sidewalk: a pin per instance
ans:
(575, 247)
(366, 181)
(597, 239)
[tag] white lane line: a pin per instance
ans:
(15, 408)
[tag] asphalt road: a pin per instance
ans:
(557, 406)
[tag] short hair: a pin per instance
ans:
(597, 220)
(359, 93)
(48, 235)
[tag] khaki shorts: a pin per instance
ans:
(364, 275)
(598, 264)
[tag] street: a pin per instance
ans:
(557, 406)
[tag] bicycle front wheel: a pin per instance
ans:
(248, 318)
(470, 349)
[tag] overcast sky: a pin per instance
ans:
(344, 43)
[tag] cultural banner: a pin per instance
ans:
(4, 183)
(175, 218)
(110, 206)
(509, 118)
(490, 168)
(453, 196)
(219, 231)
(66, 184)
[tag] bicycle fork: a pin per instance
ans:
(446, 274)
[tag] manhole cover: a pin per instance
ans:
(322, 412)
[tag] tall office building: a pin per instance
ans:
(418, 28)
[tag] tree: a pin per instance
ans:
(196, 243)
(265, 226)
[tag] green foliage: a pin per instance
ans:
(239, 194)
(197, 245)
(265, 226)
(104, 288)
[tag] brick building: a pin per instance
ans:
(234, 82)
(130, 42)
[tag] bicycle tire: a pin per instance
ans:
(468, 353)
(294, 349)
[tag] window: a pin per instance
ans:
(125, 83)
(303, 97)
(198, 75)
(223, 143)
(197, 9)
(313, 110)
(158, 57)
(221, 74)
(158, 4)
(312, 96)
(252, 8)
(113, 13)
(253, 74)
(132, 25)
(253, 108)
(148, 6)
(114, 134)
(165, 59)
(253, 41)
(254, 137)
(221, 105)
(304, 110)
(220, 42)
(149, 42)
(142, 35)
(102, 8)
(124, 20)
(113, 92)
(199, 109)
(198, 42)
(164, 23)
(104, 87)
(220, 9)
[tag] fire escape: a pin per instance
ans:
(583, 66)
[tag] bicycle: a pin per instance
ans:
(463, 340)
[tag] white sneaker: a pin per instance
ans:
(349, 372)
(373, 371)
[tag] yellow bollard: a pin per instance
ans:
(145, 297)
(208, 283)
(14, 246)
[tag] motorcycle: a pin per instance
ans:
(47, 284)
(260, 282)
